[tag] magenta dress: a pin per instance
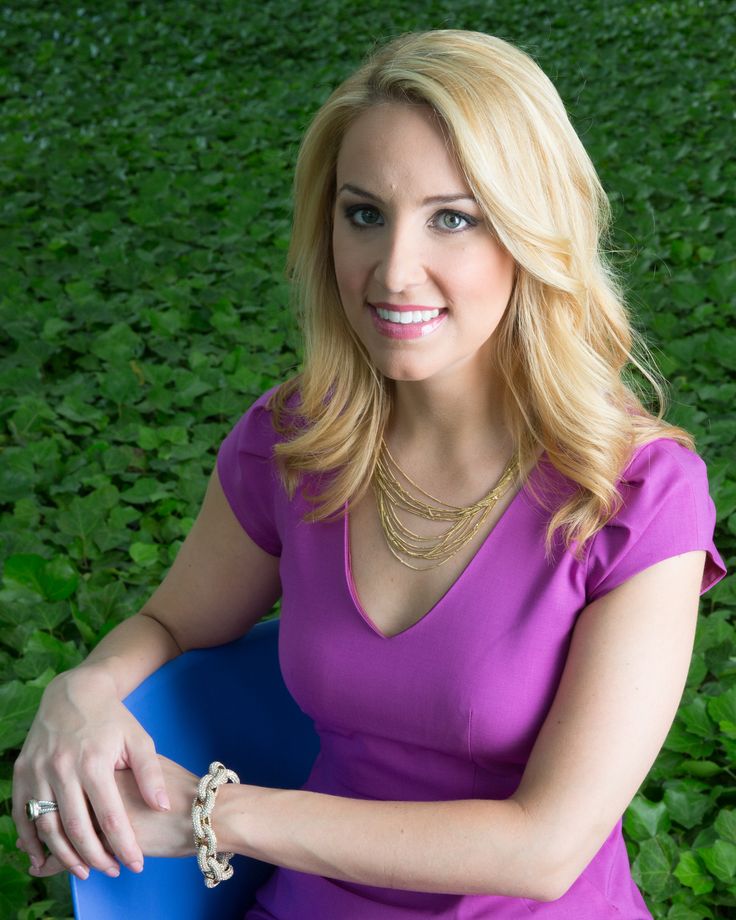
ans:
(450, 708)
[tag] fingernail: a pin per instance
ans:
(112, 872)
(80, 872)
(163, 801)
(36, 862)
(136, 866)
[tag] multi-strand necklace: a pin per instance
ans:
(464, 522)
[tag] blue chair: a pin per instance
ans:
(260, 732)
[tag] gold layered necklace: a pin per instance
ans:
(464, 522)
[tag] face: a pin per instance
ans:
(422, 280)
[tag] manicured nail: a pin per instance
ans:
(80, 872)
(136, 866)
(112, 872)
(163, 801)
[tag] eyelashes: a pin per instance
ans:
(366, 216)
(354, 210)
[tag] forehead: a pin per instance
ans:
(397, 146)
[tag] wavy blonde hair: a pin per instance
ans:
(565, 343)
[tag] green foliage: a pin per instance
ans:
(146, 154)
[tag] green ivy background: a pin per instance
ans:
(146, 154)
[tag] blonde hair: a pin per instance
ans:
(565, 341)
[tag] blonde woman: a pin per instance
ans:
(489, 552)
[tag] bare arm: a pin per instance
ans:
(622, 683)
(219, 586)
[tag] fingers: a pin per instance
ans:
(78, 832)
(111, 818)
(52, 866)
(46, 829)
(76, 838)
(28, 839)
(49, 830)
(149, 776)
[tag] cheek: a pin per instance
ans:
(349, 271)
(491, 280)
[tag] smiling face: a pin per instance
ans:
(422, 280)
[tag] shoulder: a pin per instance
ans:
(666, 510)
(257, 430)
(664, 478)
(663, 458)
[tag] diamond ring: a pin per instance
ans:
(36, 808)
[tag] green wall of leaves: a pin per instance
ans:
(146, 152)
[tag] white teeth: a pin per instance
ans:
(407, 316)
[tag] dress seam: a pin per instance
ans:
(470, 753)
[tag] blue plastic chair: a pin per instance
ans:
(227, 703)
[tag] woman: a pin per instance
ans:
(492, 672)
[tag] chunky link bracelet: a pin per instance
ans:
(215, 867)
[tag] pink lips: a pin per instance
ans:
(405, 330)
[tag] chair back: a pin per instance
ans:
(227, 703)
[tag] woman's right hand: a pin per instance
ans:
(82, 733)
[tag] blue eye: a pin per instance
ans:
(454, 221)
(363, 216)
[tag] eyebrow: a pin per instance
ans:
(433, 199)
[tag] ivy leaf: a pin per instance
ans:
(81, 519)
(679, 739)
(21, 607)
(723, 708)
(691, 873)
(8, 834)
(145, 491)
(59, 579)
(725, 824)
(645, 819)
(702, 768)
(686, 802)
(118, 345)
(144, 554)
(720, 860)
(695, 718)
(55, 580)
(18, 705)
(654, 865)
(44, 651)
(24, 569)
(38, 911)
(100, 603)
(686, 912)
(13, 890)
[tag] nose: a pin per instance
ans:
(400, 262)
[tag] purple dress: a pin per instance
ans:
(475, 676)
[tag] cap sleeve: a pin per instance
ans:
(667, 510)
(249, 477)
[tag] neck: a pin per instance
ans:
(457, 422)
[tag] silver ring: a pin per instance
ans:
(34, 808)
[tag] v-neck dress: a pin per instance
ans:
(450, 708)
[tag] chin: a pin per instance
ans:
(405, 374)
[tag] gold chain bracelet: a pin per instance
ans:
(215, 867)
